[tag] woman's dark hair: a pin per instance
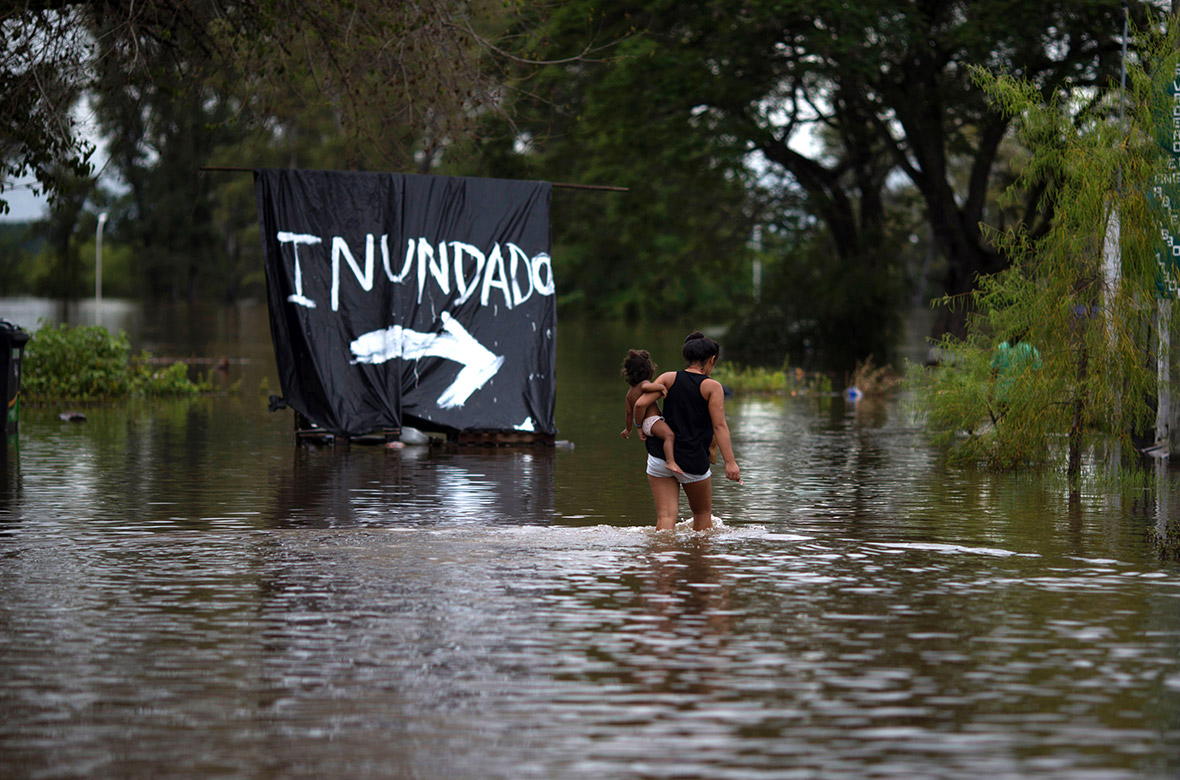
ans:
(637, 367)
(698, 348)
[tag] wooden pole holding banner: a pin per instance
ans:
(559, 184)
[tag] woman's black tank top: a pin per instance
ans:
(687, 413)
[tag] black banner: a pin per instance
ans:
(410, 300)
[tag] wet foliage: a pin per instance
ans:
(1058, 354)
(89, 364)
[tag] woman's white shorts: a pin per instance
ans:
(658, 467)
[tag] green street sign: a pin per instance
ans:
(1167, 193)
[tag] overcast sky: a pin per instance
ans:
(23, 205)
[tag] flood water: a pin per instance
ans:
(185, 593)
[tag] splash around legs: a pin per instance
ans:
(665, 492)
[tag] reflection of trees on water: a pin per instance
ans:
(852, 448)
(1166, 532)
(672, 621)
(868, 466)
(139, 463)
(683, 582)
(195, 463)
(822, 458)
(871, 411)
(367, 486)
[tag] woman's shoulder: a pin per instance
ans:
(667, 378)
(710, 385)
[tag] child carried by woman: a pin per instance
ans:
(638, 370)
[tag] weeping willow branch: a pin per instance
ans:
(1093, 379)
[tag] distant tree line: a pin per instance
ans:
(841, 146)
(174, 85)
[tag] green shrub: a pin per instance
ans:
(752, 379)
(88, 363)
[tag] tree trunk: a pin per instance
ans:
(1079, 410)
(966, 262)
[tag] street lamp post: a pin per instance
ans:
(102, 218)
(756, 245)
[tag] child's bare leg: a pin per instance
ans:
(664, 431)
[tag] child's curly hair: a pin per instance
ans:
(637, 367)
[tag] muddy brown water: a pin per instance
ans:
(184, 593)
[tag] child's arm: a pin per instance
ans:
(715, 395)
(626, 432)
(650, 393)
(644, 401)
(653, 387)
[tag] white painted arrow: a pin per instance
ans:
(454, 343)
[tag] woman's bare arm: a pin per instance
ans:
(715, 394)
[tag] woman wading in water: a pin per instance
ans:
(694, 407)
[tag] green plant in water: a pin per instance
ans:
(754, 379)
(1057, 354)
(872, 379)
(88, 363)
(748, 379)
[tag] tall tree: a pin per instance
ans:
(162, 117)
(62, 278)
(43, 54)
(833, 96)
(403, 79)
(675, 244)
(336, 84)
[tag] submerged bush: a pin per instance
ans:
(872, 379)
(88, 363)
(752, 379)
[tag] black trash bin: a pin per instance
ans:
(12, 350)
